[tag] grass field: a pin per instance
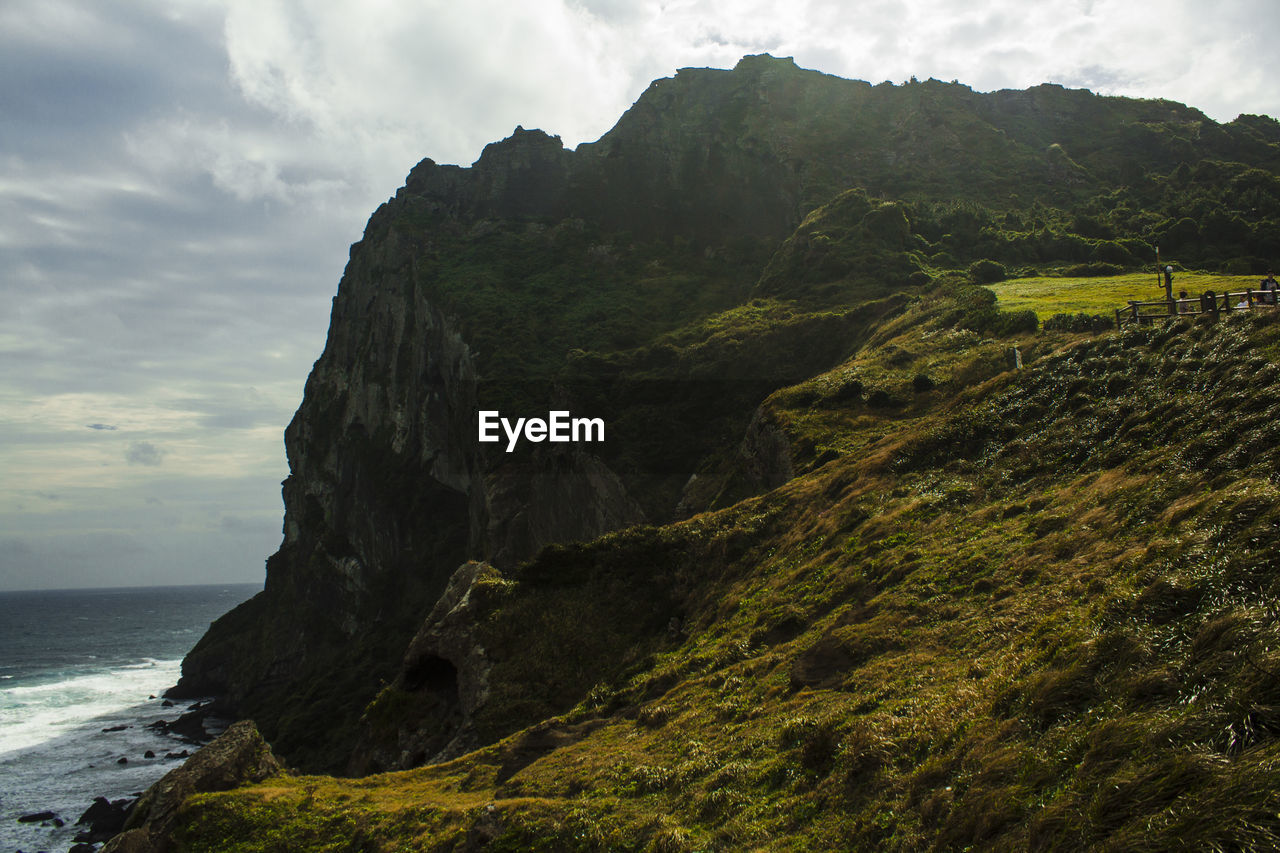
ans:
(1049, 296)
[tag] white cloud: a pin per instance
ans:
(377, 88)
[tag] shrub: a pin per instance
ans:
(987, 271)
(1111, 252)
(1245, 266)
(1092, 270)
(1081, 322)
(882, 399)
(1014, 323)
(1001, 324)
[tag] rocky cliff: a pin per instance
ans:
(670, 277)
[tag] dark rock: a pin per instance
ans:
(122, 760)
(58, 822)
(237, 756)
(105, 819)
(190, 726)
(166, 704)
(766, 451)
(37, 817)
(83, 848)
(447, 674)
(114, 729)
(148, 754)
(182, 754)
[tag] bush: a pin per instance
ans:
(987, 271)
(921, 383)
(1014, 322)
(1246, 266)
(1078, 323)
(882, 399)
(1091, 270)
(1001, 324)
(1111, 252)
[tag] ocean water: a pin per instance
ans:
(75, 662)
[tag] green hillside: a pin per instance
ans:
(1029, 612)
(844, 576)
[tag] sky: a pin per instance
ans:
(180, 183)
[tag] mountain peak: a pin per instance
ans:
(765, 62)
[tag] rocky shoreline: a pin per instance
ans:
(196, 725)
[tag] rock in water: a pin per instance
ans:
(237, 756)
(190, 726)
(104, 818)
(37, 817)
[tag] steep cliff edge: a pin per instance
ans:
(1028, 610)
(388, 490)
(669, 278)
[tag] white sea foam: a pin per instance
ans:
(64, 774)
(32, 714)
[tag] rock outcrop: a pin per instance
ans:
(510, 283)
(445, 675)
(236, 757)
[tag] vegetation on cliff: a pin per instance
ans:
(893, 592)
(1035, 612)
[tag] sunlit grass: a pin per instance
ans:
(1027, 616)
(1048, 296)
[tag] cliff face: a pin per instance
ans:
(388, 490)
(1023, 610)
(382, 492)
(619, 276)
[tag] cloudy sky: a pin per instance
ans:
(180, 181)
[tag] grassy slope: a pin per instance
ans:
(1024, 610)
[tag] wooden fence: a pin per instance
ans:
(1208, 303)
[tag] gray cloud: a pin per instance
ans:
(258, 527)
(179, 183)
(13, 546)
(143, 453)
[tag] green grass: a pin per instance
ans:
(1032, 615)
(1049, 296)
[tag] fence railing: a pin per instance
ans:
(1206, 303)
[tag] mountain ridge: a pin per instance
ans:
(773, 296)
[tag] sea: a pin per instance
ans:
(76, 662)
